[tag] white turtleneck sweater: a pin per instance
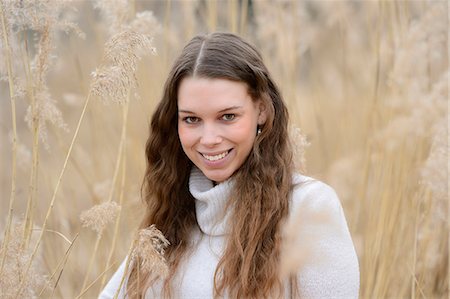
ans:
(329, 268)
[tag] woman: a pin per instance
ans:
(219, 185)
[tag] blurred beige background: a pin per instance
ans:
(365, 81)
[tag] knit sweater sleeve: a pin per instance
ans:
(326, 259)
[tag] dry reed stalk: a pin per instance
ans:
(35, 151)
(377, 55)
(61, 264)
(43, 18)
(66, 255)
(431, 265)
(97, 218)
(149, 251)
(56, 233)
(189, 11)
(55, 191)
(127, 266)
(90, 264)
(374, 163)
(121, 192)
(430, 256)
(372, 248)
(122, 145)
(243, 17)
(404, 142)
(94, 281)
(120, 154)
(74, 162)
(115, 81)
(414, 280)
(116, 77)
(5, 34)
(14, 271)
(388, 233)
(166, 32)
(233, 8)
(211, 7)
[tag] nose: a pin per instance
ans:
(210, 136)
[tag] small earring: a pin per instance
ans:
(259, 131)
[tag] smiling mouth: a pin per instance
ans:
(216, 157)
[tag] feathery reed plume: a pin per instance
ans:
(14, 271)
(300, 239)
(116, 77)
(417, 81)
(115, 80)
(433, 261)
(6, 50)
(60, 267)
(421, 53)
(97, 217)
(146, 23)
(434, 173)
(149, 251)
(299, 145)
(115, 13)
(44, 18)
(382, 147)
(131, 38)
(110, 84)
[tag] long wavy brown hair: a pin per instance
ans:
(249, 266)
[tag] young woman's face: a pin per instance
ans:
(217, 123)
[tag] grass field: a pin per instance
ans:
(365, 81)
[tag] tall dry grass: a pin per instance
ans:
(367, 82)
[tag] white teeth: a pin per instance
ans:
(216, 157)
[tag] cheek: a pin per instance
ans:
(186, 137)
(244, 133)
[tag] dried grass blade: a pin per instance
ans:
(122, 188)
(14, 137)
(52, 202)
(63, 263)
(93, 282)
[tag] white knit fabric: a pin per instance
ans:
(330, 270)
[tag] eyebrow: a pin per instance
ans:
(221, 111)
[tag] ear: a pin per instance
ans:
(262, 117)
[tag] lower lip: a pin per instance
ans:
(218, 163)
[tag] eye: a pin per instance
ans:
(228, 116)
(191, 119)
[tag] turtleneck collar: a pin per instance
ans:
(210, 202)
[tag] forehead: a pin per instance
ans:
(205, 94)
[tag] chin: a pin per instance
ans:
(218, 178)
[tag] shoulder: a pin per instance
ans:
(315, 209)
(314, 195)
(318, 243)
